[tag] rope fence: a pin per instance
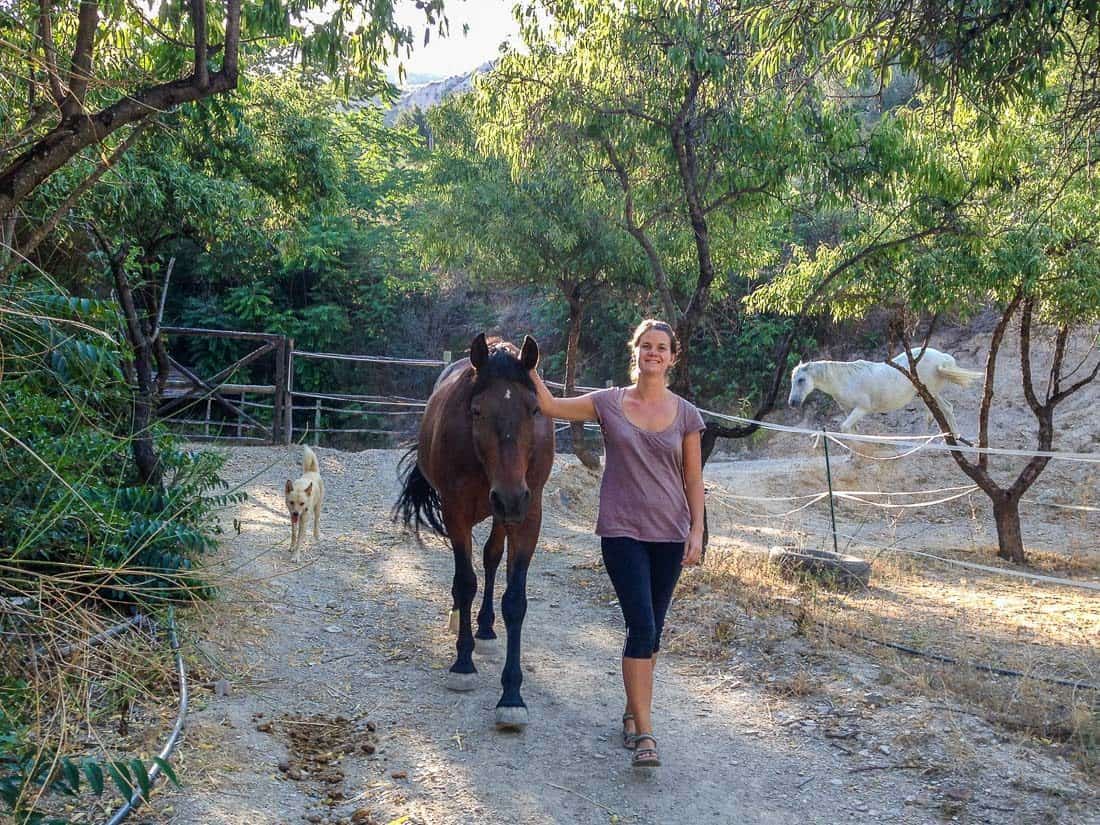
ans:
(797, 517)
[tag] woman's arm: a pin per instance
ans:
(693, 486)
(579, 408)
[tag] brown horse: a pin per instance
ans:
(484, 450)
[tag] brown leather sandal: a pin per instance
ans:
(628, 736)
(645, 757)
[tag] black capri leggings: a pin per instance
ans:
(644, 574)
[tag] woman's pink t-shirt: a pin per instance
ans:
(642, 494)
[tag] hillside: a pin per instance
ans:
(427, 95)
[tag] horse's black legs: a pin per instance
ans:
(511, 711)
(463, 588)
(494, 549)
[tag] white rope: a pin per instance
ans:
(908, 440)
(911, 505)
(814, 499)
(1084, 508)
(380, 400)
(373, 359)
(346, 411)
(894, 457)
(557, 385)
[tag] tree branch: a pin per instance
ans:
(1025, 356)
(990, 371)
(198, 21)
(639, 234)
(104, 164)
(49, 49)
(80, 67)
(1054, 380)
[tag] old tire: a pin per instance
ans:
(830, 568)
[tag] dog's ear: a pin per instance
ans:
(309, 488)
(479, 351)
(289, 486)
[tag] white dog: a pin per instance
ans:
(306, 494)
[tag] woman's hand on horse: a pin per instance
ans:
(693, 549)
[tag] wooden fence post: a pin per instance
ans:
(277, 412)
(288, 432)
(317, 422)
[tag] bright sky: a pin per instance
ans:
(490, 22)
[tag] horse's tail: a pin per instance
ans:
(958, 375)
(419, 503)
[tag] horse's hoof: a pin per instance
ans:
(461, 682)
(511, 718)
(452, 622)
(489, 648)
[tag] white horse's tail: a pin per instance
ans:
(958, 375)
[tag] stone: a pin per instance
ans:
(875, 700)
(958, 793)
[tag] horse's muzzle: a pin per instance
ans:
(510, 507)
(795, 400)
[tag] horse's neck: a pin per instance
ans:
(832, 376)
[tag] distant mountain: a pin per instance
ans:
(427, 95)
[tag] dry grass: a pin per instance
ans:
(968, 616)
(105, 701)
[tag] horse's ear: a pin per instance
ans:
(479, 351)
(529, 356)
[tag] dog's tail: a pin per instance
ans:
(419, 503)
(957, 375)
(309, 461)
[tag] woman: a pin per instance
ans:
(651, 506)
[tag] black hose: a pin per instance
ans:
(999, 671)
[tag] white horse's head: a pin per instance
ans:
(802, 384)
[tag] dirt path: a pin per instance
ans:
(353, 646)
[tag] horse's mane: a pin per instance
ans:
(847, 368)
(503, 365)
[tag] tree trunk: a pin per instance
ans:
(141, 427)
(1010, 540)
(685, 137)
(7, 238)
(576, 312)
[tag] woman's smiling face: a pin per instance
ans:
(653, 353)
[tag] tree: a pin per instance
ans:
(123, 67)
(540, 228)
(659, 103)
(988, 53)
(970, 213)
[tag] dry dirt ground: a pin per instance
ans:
(337, 712)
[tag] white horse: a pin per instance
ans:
(875, 387)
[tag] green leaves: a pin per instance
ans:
(120, 774)
(94, 774)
